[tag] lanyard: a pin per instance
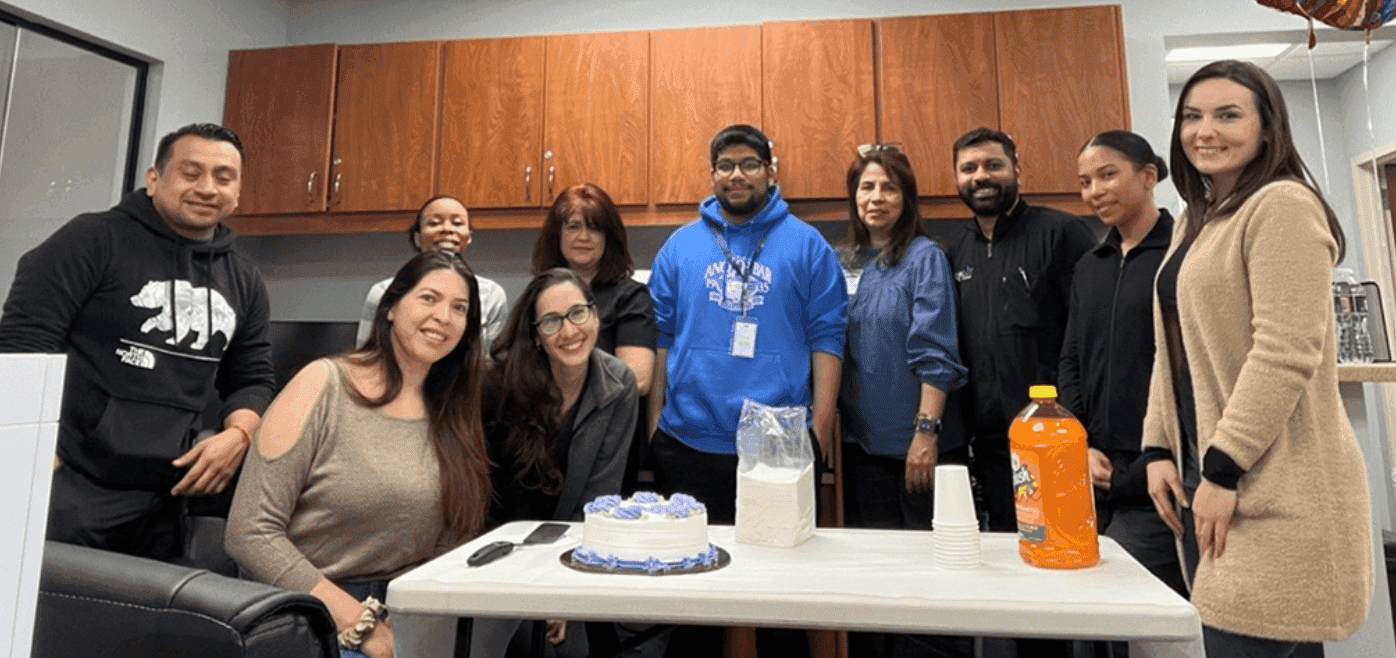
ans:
(732, 260)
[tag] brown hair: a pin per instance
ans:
(451, 393)
(1276, 159)
(908, 225)
(597, 210)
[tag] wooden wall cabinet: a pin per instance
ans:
(817, 102)
(596, 107)
(1061, 81)
(384, 153)
(492, 122)
(280, 102)
(703, 80)
(353, 138)
(1050, 78)
(523, 119)
(937, 80)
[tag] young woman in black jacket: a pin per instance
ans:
(1108, 351)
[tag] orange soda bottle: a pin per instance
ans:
(1052, 485)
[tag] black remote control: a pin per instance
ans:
(490, 552)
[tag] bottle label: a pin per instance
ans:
(1027, 496)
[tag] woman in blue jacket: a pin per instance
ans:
(900, 360)
(902, 353)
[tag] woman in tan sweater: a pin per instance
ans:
(1256, 465)
(370, 464)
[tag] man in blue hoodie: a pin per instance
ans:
(156, 313)
(749, 300)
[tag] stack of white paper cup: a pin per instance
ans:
(956, 526)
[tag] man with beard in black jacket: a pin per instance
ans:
(1012, 266)
(155, 312)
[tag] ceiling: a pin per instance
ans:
(1337, 52)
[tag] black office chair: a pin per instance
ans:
(97, 603)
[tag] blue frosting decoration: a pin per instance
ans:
(602, 504)
(646, 497)
(651, 565)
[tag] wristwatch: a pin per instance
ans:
(927, 425)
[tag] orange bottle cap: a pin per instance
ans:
(1040, 392)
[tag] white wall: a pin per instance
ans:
(187, 41)
(1354, 102)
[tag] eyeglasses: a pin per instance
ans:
(750, 166)
(891, 148)
(552, 322)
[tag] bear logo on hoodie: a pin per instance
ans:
(200, 311)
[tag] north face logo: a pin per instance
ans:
(138, 357)
(193, 310)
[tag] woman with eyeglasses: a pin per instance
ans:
(1255, 466)
(560, 412)
(583, 232)
(369, 464)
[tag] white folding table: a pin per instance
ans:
(852, 579)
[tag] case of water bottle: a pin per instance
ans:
(1361, 332)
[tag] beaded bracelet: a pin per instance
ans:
(353, 637)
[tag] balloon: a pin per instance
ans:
(1342, 14)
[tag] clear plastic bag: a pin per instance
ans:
(775, 476)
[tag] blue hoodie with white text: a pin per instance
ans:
(795, 293)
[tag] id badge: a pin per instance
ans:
(852, 277)
(744, 338)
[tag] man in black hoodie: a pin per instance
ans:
(155, 312)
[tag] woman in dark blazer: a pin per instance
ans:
(559, 411)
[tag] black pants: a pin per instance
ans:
(1140, 531)
(875, 496)
(993, 478)
(131, 521)
(712, 479)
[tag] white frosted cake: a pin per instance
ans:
(645, 532)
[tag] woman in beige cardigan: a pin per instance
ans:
(1257, 468)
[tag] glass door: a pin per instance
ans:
(68, 133)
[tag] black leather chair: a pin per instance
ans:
(97, 603)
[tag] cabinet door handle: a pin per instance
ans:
(310, 186)
(528, 183)
(551, 170)
(334, 188)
